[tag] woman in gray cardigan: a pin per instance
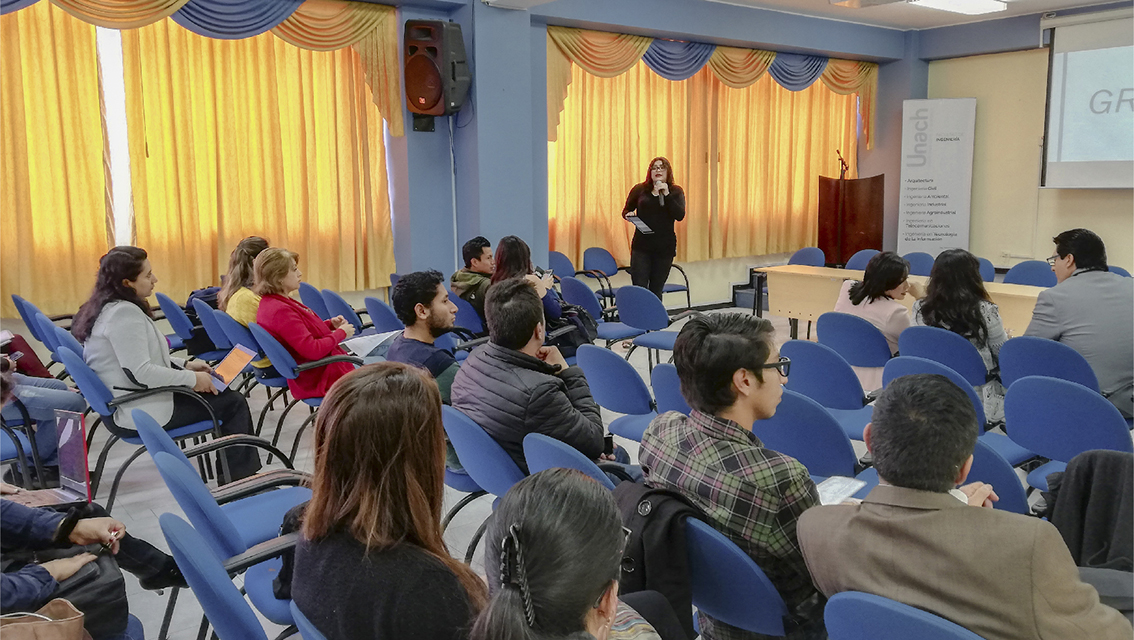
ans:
(124, 347)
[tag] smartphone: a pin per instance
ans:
(608, 445)
(15, 355)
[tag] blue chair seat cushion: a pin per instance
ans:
(275, 382)
(258, 586)
(632, 427)
(617, 331)
(212, 356)
(8, 448)
(657, 340)
(180, 433)
(1009, 450)
(462, 482)
(853, 421)
(1038, 477)
(670, 288)
(258, 517)
(175, 341)
(313, 402)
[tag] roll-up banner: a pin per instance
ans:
(937, 174)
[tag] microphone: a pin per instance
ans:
(661, 196)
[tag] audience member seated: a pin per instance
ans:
(732, 375)
(514, 385)
(956, 300)
(917, 540)
(371, 563)
(514, 260)
(884, 283)
(28, 364)
(128, 352)
(423, 305)
(553, 555)
(1091, 311)
(40, 397)
(472, 282)
(299, 330)
(236, 297)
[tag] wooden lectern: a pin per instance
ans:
(850, 216)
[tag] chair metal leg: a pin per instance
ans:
(475, 540)
(91, 431)
(793, 325)
(163, 634)
(279, 426)
(204, 628)
(808, 329)
(101, 464)
(118, 477)
(267, 407)
(460, 505)
(630, 351)
(299, 434)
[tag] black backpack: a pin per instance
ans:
(655, 558)
(208, 295)
(292, 522)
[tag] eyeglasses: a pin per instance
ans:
(1051, 261)
(783, 366)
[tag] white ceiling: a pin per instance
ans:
(900, 15)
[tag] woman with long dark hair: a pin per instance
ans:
(125, 348)
(658, 203)
(514, 260)
(371, 563)
(239, 279)
(956, 300)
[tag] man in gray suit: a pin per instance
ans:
(917, 540)
(1091, 311)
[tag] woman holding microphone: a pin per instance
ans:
(657, 203)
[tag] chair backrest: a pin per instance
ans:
(987, 270)
(65, 338)
(27, 313)
(90, 385)
(599, 259)
(852, 615)
(860, 343)
(155, 438)
(860, 259)
(467, 317)
(199, 506)
(639, 308)
(1113, 268)
(226, 609)
(667, 389)
(575, 291)
(820, 373)
(394, 280)
(382, 316)
(338, 306)
(728, 585)
(1032, 356)
(46, 329)
(281, 359)
(212, 327)
(810, 256)
(1059, 419)
(1036, 273)
(313, 299)
(615, 383)
(560, 264)
(178, 321)
(483, 458)
(946, 347)
(804, 430)
(921, 263)
(992, 468)
(544, 452)
(912, 365)
(236, 332)
(307, 631)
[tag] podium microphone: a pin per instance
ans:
(845, 166)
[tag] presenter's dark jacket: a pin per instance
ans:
(659, 217)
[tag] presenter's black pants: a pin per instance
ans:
(650, 270)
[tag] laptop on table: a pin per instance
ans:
(74, 473)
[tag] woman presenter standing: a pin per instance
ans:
(656, 204)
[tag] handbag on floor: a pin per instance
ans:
(56, 620)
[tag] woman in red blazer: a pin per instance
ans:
(306, 337)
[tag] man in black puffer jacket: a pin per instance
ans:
(514, 385)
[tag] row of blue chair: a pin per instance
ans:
(598, 263)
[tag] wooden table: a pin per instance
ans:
(804, 293)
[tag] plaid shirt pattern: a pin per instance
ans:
(751, 494)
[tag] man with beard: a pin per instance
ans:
(423, 305)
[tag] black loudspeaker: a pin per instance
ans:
(437, 71)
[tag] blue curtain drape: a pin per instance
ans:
(8, 6)
(675, 60)
(796, 72)
(234, 19)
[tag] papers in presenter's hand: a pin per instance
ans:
(642, 226)
(836, 489)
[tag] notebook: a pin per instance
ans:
(642, 226)
(225, 372)
(74, 474)
(835, 489)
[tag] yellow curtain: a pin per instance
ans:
(851, 76)
(230, 138)
(739, 68)
(121, 14)
(53, 204)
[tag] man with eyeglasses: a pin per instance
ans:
(732, 375)
(1092, 311)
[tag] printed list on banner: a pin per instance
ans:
(937, 174)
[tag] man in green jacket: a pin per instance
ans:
(471, 283)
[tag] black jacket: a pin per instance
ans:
(1093, 508)
(511, 394)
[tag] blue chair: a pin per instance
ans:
(860, 259)
(560, 264)
(860, 343)
(224, 607)
(46, 330)
(1113, 268)
(467, 317)
(616, 385)
(667, 389)
(182, 327)
(802, 429)
(27, 313)
(269, 378)
(947, 348)
(991, 468)
(1032, 356)
(313, 299)
(728, 585)
(921, 263)
(212, 328)
(600, 264)
(852, 615)
(576, 292)
(306, 630)
(13, 444)
(987, 270)
(639, 308)
(382, 315)
(20, 434)
(483, 458)
(1008, 448)
(544, 452)
(338, 306)
(1036, 273)
(810, 256)
(1059, 420)
(394, 280)
(820, 373)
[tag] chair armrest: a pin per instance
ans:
(469, 345)
(264, 551)
(367, 325)
(463, 333)
(138, 394)
(871, 396)
(561, 331)
(65, 316)
(362, 312)
(615, 469)
(237, 439)
(260, 483)
(683, 315)
(322, 362)
(684, 275)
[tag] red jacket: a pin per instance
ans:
(306, 338)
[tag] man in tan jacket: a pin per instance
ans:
(918, 540)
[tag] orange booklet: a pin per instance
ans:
(225, 372)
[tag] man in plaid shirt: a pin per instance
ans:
(731, 375)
